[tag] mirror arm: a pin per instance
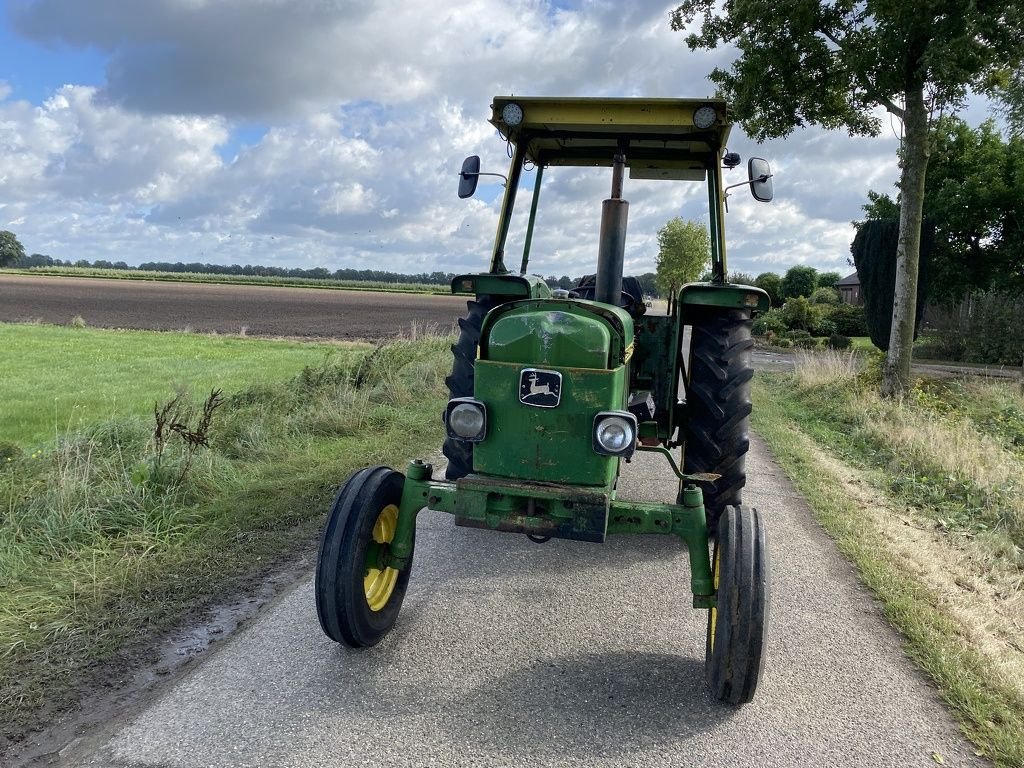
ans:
(762, 177)
(499, 175)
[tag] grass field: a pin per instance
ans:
(192, 277)
(110, 535)
(57, 379)
(924, 495)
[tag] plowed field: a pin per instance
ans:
(255, 310)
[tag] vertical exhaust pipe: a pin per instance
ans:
(611, 253)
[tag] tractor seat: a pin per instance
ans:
(631, 299)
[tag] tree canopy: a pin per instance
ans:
(684, 249)
(833, 64)
(771, 284)
(974, 195)
(799, 281)
(828, 279)
(11, 251)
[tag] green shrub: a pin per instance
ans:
(771, 321)
(825, 296)
(797, 313)
(784, 343)
(798, 335)
(982, 329)
(838, 341)
(849, 320)
(870, 376)
(821, 324)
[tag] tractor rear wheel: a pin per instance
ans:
(358, 595)
(718, 405)
(460, 383)
(738, 624)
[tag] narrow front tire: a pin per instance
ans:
(358, 595)
(738, 625)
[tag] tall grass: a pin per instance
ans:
(925, 494)
(941, 443)
(97, 550)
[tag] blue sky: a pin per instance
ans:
(303, 133)
(34, 71)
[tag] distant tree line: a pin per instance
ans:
(316, 273)
(248, 270)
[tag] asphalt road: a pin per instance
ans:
(509, 653)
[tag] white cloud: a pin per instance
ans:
(366, 110)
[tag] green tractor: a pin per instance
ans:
(552, 391)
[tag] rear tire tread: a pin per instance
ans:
(719, 405)
(460, 382)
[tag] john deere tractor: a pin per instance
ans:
(552, 391)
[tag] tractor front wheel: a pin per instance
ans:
(718, 404)
(738, 624)
(358, 594)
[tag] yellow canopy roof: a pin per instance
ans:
(659, 135)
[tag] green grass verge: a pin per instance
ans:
(109, 535)
(861, 344)
(194, 277)
(991, 713)
(57, 378)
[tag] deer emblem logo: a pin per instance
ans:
(542, 389)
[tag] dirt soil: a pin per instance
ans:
(205, 308)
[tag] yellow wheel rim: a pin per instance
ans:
(379, 583)
(714, 609)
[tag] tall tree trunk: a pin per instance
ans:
(914, 165)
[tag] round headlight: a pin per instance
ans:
(615, 434)
(466, 420)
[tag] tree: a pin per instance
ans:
(974, 194)
(833, 64)
(828, 279)
(1011, 92)
(741, 278)
(771, 284)
(11, 251)
(649, 283)
(684, 249)
(875, 251)
(799, 281)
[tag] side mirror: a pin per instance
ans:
(760, 175)
(469, 176)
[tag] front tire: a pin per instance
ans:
(358, 596)
(738, 626)
(718, 405)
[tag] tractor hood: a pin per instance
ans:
(574, 334)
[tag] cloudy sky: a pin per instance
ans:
(329, 133)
